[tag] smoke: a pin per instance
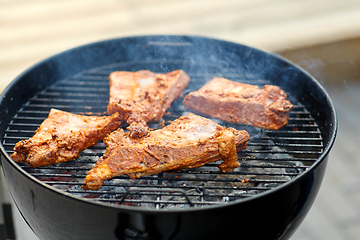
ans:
(315, 66)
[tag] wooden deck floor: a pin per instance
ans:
(31, 31)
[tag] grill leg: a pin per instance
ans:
(7, 231)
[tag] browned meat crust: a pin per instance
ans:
(241, 103)
(188, 142)
(144, 96)
(62, 136)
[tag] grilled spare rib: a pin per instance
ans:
(62, 136)
(144, 96)
(188, 142)
(241, 103)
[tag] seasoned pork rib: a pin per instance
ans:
(188, 142)
(241, 103)
(62, 136)
(144, 96)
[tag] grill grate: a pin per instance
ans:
(271, 159)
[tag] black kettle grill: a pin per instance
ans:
(266, 198)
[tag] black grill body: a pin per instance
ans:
(273, 190)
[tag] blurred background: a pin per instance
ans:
(322, 36)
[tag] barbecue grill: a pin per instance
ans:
(280, 174)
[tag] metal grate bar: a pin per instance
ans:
(271, 159)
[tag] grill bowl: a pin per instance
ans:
(276, 205)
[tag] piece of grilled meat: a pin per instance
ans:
(188, 142)
(241, 103)
(62, 136)
(144, 96)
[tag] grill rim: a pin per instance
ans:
(327, 144)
